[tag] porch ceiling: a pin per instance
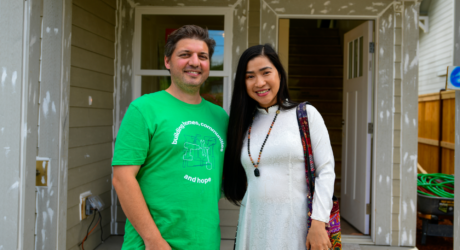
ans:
(213, 3)
(327, 7)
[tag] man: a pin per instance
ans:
(169, 155)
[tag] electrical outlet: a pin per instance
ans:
(83, 200)
(88, 207)
(93, 202)
(96, 202)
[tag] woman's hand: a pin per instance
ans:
(317, 238)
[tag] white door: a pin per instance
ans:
(357, 114)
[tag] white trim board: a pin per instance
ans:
(341, 17)
(357, 239)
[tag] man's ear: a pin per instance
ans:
(167, 64)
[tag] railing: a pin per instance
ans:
(436, 132)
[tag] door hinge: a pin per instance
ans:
(368, 208)
(371, 47)
(370, 128)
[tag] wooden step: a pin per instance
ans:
(314, 88)
(316, 70)
(332, 120)
(338, 169)
(324, 106)
(298, 31)
(335, 135)
(316, 59)
(309, 94)
(337, 150)
(315, 81)
(314, 40)
(337, 187)
(311, 49)
(308, 35)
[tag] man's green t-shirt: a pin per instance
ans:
(180, 148)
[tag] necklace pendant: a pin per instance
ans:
(256, 172)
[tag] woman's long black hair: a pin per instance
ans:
(241, 112)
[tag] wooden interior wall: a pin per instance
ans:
(91, 114)
(436, 134)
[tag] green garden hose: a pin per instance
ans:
(435, 185)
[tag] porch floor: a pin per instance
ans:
(115, 242)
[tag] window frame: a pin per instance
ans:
(199, 11)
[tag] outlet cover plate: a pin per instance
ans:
(83, 197)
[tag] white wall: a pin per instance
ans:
(436, 47)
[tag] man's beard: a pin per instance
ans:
(182, 83)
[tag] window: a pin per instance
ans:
(355, 58)
(152, 27)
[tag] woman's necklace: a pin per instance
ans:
(256, 171)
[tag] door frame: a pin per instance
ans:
(370, 240)
(202, 11)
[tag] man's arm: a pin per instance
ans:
(135, 208)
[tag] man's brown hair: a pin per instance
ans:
(192, 32)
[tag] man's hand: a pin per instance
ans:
(317, 238)
(134, 205)
(159, 244)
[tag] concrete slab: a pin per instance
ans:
(112, 243)
(115, 242)
(367, 247)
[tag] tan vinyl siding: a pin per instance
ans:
(91, 115)
(436, 47)
(228, 219)
(254, 23)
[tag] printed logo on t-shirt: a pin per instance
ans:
(199, 151)
(184, 124)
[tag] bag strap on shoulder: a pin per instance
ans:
(304, 129)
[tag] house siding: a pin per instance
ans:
(91, 115)
(436, 47)
(254, 23)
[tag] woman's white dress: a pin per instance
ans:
(273, 213)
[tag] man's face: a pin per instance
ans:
(189, 64)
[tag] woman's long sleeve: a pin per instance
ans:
(324, 162)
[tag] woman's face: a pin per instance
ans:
(262, 81)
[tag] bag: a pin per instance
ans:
(333, 228)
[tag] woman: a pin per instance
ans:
(268, 178)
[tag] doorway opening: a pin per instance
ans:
(319, 60)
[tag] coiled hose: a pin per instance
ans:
(436, 185)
